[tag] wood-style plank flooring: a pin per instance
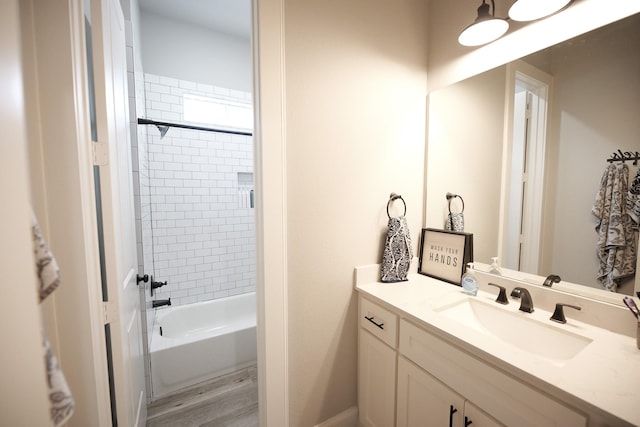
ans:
(228, 401)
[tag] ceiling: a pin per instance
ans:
(226, 16)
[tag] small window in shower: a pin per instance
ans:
(217, 112)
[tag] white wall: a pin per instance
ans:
(355, 123)
(464, 156)
(175, 49)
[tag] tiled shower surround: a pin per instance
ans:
(201, 222)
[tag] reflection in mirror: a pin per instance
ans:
(591, 109)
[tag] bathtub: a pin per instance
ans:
(201, 341)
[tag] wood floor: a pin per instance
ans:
(228, 401)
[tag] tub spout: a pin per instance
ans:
(160, 302)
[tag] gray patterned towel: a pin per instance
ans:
(616, 247)
(633, 199)
(60, 398)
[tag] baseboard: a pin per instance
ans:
(346, 418)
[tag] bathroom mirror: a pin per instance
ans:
(592, 110)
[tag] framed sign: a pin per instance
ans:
(444, 254)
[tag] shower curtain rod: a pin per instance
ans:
(178, 125)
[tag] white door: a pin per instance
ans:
(523, 172)
(517, 182)
(114, 160)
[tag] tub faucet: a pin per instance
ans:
(526, 302)
(160, 302)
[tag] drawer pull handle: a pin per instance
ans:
(452, 411)
(370, 319)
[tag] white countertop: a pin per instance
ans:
(603, 378)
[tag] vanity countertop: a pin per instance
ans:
(603, 378)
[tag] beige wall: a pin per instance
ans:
(23, 394)
(464, 156)
(355, 102)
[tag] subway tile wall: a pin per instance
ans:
(200, 219)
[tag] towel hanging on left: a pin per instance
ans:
(397, 254)
(61, 403)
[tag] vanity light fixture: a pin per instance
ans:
(486, 28)
(530, 10)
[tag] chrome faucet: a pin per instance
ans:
(526, 302)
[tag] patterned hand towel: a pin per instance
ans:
(60, 399)
(397, 254)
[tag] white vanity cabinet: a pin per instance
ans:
(377, 342)
(432, 370)
(410, 376)
(424, 401)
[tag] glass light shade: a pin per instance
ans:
(530, 10)
(483, 31)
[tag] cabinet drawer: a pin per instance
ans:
(379, 321)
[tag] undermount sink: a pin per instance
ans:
(514, 328)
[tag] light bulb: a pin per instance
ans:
(483, 32)
(530, 10)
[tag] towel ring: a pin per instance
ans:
(392, 197)
(453, 196)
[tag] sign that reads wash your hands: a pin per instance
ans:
(444, 254)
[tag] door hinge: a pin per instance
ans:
(110, 312)
(100, 154)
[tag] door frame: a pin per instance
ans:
(271, 209)
(539, 84)
(61, 172)
(62, 138)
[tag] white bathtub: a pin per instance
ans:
(201, 341)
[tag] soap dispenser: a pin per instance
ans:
(469, 282)
(495, 266)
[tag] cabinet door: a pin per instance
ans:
(424, 401)
(376, 381)
(476, 417)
